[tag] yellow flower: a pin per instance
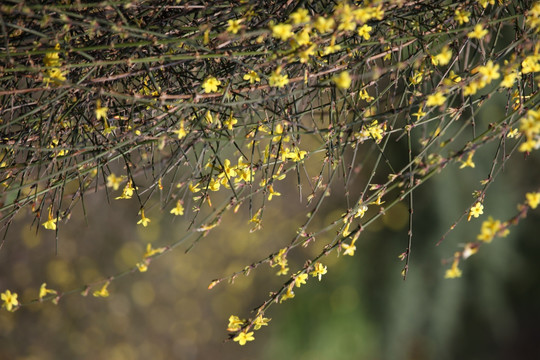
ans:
(343, 80)
(278, 80)
(10, 300)
(462, 16)
(127, 193)
(282, 31)
(288, 295)
(230, 122)
(260, 321)
(300, 16)
(151, 252)
(194, 188)
(476, 211)
(234, 26)
(235, 323)
(101, 112)
(43, 291)
(178, 209)
(244, 337)
(364, 31)
(468, 162)
(490, 229)
(114, 181)
(349, 249)
(436, 99)
(443, 57)
(50, 224)
(252, 77)
(489, 71)
(485, 3)
(103, 292)
(300, 279)
(454, 271)
(509, 80)
(332, 48)
(144, 221)
(324, 25)
(318, 270)
(211, 84)
(181, 133)
(272, 192)
(142, 266)
(533, 199)
(419, 114)
(478, 33)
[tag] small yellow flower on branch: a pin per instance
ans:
(10, 300)
(476, 211)
(243, 337)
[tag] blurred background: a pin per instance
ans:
(362, 308)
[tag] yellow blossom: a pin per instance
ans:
(235, 323)
(252, 77)
(103, 292)
(178, 209)
(50, 224)
(211, 84)
(181, 132)
(260, 321)
(234, 26)
(343, 80)
(533, 199)
(454, 271)
(462, 16)
(243, 337)
(420, 113)
(476, 211)
(43, 291)
(114, 181)
(127, 193)
(436, 99)
(468, 162)
(443, 58)
(324, 25)
(10, 300)
(282, 31)
(151, 251)
(349, 249)
(318, 270)
(469, 250)
(288, 295)
(364, 30)
(144, 221)
(300, 16)
(101, 112)
(490, 229)
(478, 33)
(142, 266)
(333, 47)
(509, 79)
(300, 279)
(278, 80)
(489, 72)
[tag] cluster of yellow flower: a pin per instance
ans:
(490, 229)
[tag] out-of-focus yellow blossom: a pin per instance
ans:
(454, 271)
(478, 33)
(178, 209)
(342, 80)
(462, 16)
(278, 80)
(235, 323)
(282, 31)
(43, 291)
(300, 16)
(533, 199)
(103, 292)
(234, 26)
(442, 58)
(468, 162)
